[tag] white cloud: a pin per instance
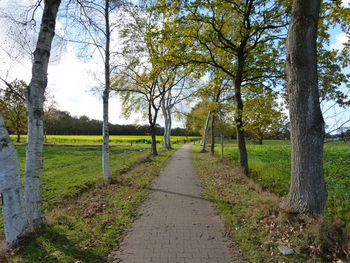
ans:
(71, 81)
(340, 39)
(346, 3)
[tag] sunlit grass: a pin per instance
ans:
(89, 226)
(114, 139)
(270, 166)
(255, 222)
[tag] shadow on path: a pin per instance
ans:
(171, 192)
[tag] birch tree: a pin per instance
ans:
(22, 213)
(179, 89)
(148, 76)
(205, 133)
(35, 99)
(13, 212)
(97, 29)
(307, 192)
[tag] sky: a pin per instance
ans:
(72, 80)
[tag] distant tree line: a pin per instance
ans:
(63, 123)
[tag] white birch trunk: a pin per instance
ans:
(105, 134)
(166, 109)
(205, 135)
(13, 212)
(35, 100)
(169, 129)
(105, 128)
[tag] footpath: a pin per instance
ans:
(178, 224)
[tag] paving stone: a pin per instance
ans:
(178, 224)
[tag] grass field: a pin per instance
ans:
(86, 223)
(258, 226)
(69, 171)
(86, 218)
(270, 165)
(114, 139)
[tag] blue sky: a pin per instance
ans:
(71, 79)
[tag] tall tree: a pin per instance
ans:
(205, 133)
(13, 107)
(169, 101)
(180, 88)
(148, 77)
(141, 92)
(96, 33)
(263, 115)
(13, 212)
(308, 192)
(236, 38)
(15, 224)
(35, 96)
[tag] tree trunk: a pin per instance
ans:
(35, 100)
(165, 133)
(154, 140)
(308, 192)
(105, 128)
(260, 140)
(167, 124)
(152, 123)
(169, 130)
(205, 135)
(222, 144)
(18, 137)
(13, 212)
(243, 155)
(212, 133)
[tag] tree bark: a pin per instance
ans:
(166, 109)
(35, 99)
(152, 123)
(169, 130)
(13, 212)
(243, 155)
(308, 192)
(105, 128)
(205, 135)
(154, 140)
(212, 134)
(222, 145)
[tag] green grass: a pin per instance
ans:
(258, 226)
(114, 139)
(88, 228)
(270, 166)
(69, 171)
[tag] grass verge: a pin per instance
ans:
(71, 170)
(270, 166)
(259, 227)
(86, 229)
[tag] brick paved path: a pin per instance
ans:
(178, 225)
